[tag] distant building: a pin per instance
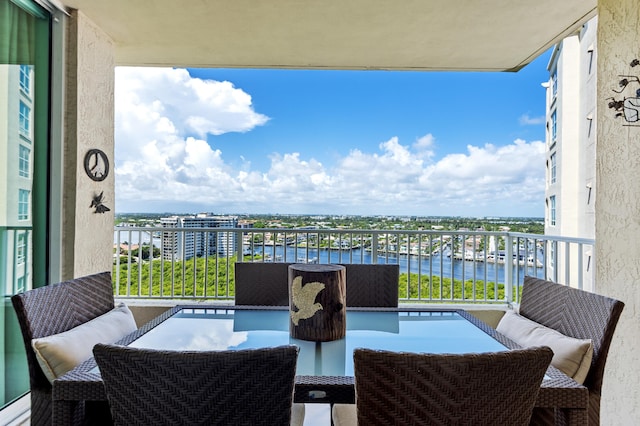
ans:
(16, 177)
(571, 143)
(208, 240)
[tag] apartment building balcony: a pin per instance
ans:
(88, 39)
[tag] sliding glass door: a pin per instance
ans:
(24, 127)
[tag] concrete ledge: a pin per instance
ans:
(17, 413)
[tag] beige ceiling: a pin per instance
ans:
(491, 35)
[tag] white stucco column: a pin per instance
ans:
(87, 234)
(618, 204)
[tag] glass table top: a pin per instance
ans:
(227, 329)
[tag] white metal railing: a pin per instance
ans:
(16, 255)
(435, 266)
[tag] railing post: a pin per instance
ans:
(508, 268)
(117, 274)
(555, 261)
(567, 264)
(239, 246)
(580, 266)
(374, 247)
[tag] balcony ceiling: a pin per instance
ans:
(486, 35)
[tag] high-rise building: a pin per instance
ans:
(571, 143)
(16, 176)
(205, 239)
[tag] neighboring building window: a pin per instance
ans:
(21, 248)
(20, 285)
(552, 210)
(25, 78)
(590, 54)
(23, 204)
(553, 168)
(554, 126)
(25, 111)
(554, 84)
(23, 161)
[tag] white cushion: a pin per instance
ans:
(344, 415)
(571, 356)
(297, 414)
(60, 353)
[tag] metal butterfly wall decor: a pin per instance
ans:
(97, 203)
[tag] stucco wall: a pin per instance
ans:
(618, 207)
(87, 235)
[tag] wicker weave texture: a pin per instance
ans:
(267, 284)
(51, 310)
(372, 285)
(557, 390)
(394, 388)
(578, 314)
(245, 387)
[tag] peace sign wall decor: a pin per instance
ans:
(96, 165)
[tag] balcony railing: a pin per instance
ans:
(16, 257)
(435, 266)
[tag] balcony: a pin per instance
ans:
(166, 266)
(87, 79)
(197, 264)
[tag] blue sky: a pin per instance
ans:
(331, 142)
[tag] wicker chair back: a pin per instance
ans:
(576, 313)
(153, 387)
(499, 388)
(267, 284)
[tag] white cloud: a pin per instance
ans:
(167, 105)
(491, 177)
(164, 164)
(527, 121)
(425, 146)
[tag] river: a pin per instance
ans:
(433, 265)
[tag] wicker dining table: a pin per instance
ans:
(325, 369)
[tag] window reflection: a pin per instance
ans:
(24, 48)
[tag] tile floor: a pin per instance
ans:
(317, 415)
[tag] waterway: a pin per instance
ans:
(437, 264)
(440, 265)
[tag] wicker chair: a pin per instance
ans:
(51, 310)
(267, 284)
(152, 387)
(372, 285)
(395, 388)
(576, 313)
